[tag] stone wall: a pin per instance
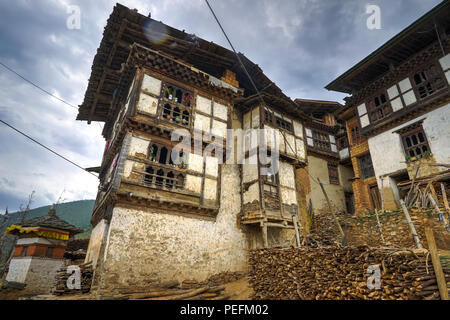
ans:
(144, 246)
(37, 272)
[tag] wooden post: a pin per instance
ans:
(433, 201)
(440, 278)
(331, 210)
(297, 234)
(264, 234)
(382, 201)
(411, 226)
(379, 226)
(444, 196)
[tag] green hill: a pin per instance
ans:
(77, 213)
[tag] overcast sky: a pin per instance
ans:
(302, 45)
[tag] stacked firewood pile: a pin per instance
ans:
(62, 275)
(341, 273)
(210, 289)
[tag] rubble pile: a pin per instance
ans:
(342, 273)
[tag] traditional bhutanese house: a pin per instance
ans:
(328, 157)
(39, 251)
(398, 114)
(191, 216)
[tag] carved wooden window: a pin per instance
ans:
(333, 173)
(276, 120)
(342, 142)
(379, 107)
(165, 173)
(270, 181)
(428, 81)
(366, 165)
(354, 132)
(415, 142)
(177, 105)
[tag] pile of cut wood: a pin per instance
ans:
(342, 273)
(210, 289)
(61, 287)
(167, 291)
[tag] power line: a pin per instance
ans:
(253, 83)
(35, 85)
(40, 88)
(54, 152)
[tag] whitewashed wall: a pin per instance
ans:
(386, 149)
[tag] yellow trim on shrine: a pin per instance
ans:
(41, 232)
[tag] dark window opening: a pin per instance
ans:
(49, 253)
(333, 173)
(379, 107)
(415, 142)
(366, 165)
(429, 81)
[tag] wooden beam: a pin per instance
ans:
(411, 226)
(440, 277)
(444, 196)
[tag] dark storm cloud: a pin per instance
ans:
(301, 45)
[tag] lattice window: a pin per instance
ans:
(366, 165)
(177, 105)
(415, 142)
(163, 178)
(342, 142)
(270, 181)
(428, 81)
(277, 121)
(333, 173)
(379, 107)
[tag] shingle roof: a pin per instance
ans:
(51, 220)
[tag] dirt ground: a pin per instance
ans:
(239, 290)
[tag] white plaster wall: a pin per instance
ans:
(41, 275)
(24, 241)
(388, 145)
(18, 269)
(138, 146)
(151, 85)
(251, 194)
(147, 103)
(286, 174)
(220, 111)
(145, 245)
(95, 242)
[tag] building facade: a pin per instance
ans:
(398, 113)
(173, 208)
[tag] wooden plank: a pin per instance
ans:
(411, 226)
(442, 285)
(444, 196)
(264, 234)
(434, 202)
(297, 233)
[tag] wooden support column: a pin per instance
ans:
(264, 234)
(442, 284)
(411, 226)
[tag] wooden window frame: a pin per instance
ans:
(333, 172)
(283, 122)
(414, 133)
(383, 108)
(354, 132)
(169, 103)
(367, 171)
(428, 86)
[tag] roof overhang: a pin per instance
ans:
(414, 38)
